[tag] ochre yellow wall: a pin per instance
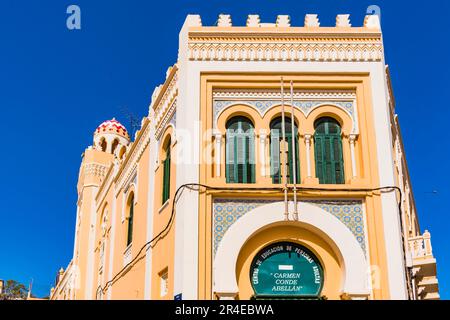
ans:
(163, 249)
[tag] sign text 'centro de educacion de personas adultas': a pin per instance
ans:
(286, 269)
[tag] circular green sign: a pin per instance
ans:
(286, 269)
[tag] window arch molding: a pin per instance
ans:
(130, 213)
(167, 135)
(238, 110)
(131, 189)
(330, 111)
(276, 112)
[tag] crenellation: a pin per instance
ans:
(224, 20)
(343, 21)
(371, 22)
(312, 21)
(283, 21)
(253, 20)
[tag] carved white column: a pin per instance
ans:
(352, 139)
(218, 140)
(262, 152)
(308, 155)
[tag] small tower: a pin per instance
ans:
(111, 137)
(111, 140)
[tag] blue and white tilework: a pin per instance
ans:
(227, 211)
(306, 106)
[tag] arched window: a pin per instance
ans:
(122, 152)
(103, 145)
(276, 147)
(240, 151)
(166, 175)
(114, 145)
(130, 221)
(328, 151)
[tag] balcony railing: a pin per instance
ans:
(420, 246)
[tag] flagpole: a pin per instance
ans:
(294, 153)
(283, 131)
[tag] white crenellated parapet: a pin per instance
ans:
(312, 21)
(372, 22)
(283, 21)
(253, 20)
(343, 21)
(224, 20)
(193, 20)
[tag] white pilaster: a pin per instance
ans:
(308, 155)
(262, 151)
(218, 151)
(352, 139)
(152, 147)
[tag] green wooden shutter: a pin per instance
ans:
(275, 156)
(251, 156)
(241, 151)
(166, 178)
(328, 154)
(130, 222)
(318, 150)
(230, 156)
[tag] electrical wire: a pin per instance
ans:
(192, 186)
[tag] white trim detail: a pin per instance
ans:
(308, 156)
(352, 139)
(218, 141)
(262, 151)
(314, 219)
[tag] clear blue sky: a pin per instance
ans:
(57, 85)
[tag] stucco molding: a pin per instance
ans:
(169, 115)
(284, 49)
(352, 259)
(129, 166)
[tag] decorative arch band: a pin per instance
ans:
(305, 106)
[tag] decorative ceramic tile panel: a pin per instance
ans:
(306, 106)
(227, 211)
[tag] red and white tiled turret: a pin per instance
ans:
(112, 137)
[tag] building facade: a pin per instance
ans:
(270, 165)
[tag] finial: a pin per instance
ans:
(253, 20)
(311, 20)
(224, 20)
(283, 21)
(343, 21)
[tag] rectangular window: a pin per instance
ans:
(164, 283)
